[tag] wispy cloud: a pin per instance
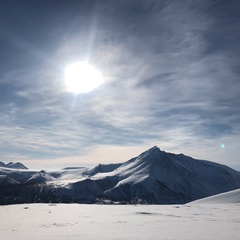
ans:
(169, 81)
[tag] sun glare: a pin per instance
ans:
(80, 77)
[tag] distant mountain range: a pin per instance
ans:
(153, 177)
(16, 165)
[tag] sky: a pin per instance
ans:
(171, 79)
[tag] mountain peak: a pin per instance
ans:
(152, 150)
(151, 153)
(16, 165)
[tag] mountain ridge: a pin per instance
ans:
(16, 165)
(155, 177)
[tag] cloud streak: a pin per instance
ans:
(171, 79)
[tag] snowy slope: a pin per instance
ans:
(7, 180)
(19, 175)
(40, 177)
(2, 164)
(223, 198)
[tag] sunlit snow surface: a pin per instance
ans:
(120, 222)
(227, 197)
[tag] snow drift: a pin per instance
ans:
(223, 198)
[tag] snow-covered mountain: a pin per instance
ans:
(16, 165)
(155, 177)
(2, 164)
(40, 177)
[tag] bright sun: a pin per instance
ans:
(80, 77)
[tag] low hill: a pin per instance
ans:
(223, 198)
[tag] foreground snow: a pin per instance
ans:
(75, 221)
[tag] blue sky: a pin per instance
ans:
(171, 79)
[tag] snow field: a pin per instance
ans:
(119, 222)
